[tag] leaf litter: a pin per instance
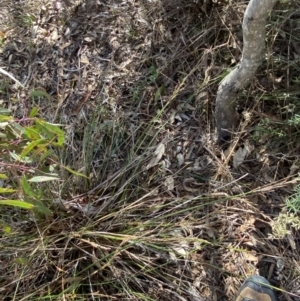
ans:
(161, 213)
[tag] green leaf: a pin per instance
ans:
(6, 229)
(6, 190)
(31, 146)
(21, 260)
(33, 112)
(16, 157)
(39, 179)
(4, 145)
(46, 154)
(32, 133)
(40, 207)
(4, 111)
(27, 189)
(57, 131)
(6, 118)
(158, 93)
(17, 203)
(16, 129)
(76, 173)
(51, 131)
(3, 176)
(39, 93)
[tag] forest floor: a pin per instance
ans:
(165, 213)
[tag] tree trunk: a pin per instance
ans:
(254, 32)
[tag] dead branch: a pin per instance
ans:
(254, 32)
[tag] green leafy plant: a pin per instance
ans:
(28, 158)
(282, 224)
(293, 202)
(295, 120)
(266, 128)
(289, 218)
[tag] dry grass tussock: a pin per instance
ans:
(164, 213)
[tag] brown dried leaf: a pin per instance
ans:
(159, 152)
(169, 183)
(249, 256)
(239, 156)
(180, 159)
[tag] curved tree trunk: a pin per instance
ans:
(254, 33)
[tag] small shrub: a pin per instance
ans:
(289, 218)
(283, 223)
(293, 202)
(28, 159)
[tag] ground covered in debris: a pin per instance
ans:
(165, 214)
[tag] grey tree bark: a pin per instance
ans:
(254, 32)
